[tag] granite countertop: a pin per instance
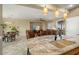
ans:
(45, 45)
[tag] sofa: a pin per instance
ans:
(35, 33)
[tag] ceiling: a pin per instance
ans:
(33, 11)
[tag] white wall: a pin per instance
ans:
(72, 26)
(0, 29)
(24, 24)
(0, 19)
(21, 25)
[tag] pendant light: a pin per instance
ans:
(66, 14)
(56, 12)
(45, 10)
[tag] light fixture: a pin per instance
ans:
(66, 14)
(56, 12)
(45, 10)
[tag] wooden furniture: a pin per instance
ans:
(32, 34)
(9, 36)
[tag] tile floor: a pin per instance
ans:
(18, 47)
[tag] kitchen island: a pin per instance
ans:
(46, 45)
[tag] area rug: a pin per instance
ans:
(62, 43)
